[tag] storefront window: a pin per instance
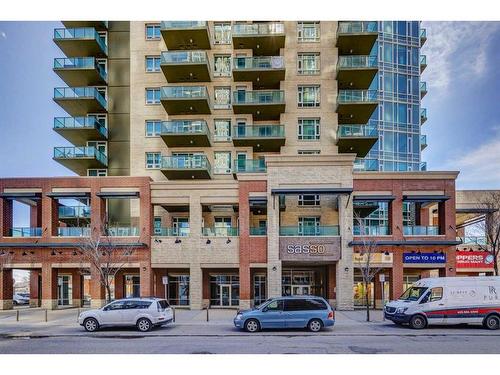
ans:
(178, 290)
(302, 282)
(132, 286)
(224, 290)
(259, 289)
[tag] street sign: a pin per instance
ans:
(381, 277)
(164, 279)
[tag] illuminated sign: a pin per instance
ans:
(424, 258)
(474, 259)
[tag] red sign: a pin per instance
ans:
(474, 259)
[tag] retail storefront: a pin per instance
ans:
(304, 281)
(224, 290)
(379, 287)
(474, 263)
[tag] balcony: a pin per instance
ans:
(124, 231)
(263, 72)
(79, 101)
(260, 137)
(79, 159)
(420, 230)
(81, 41)
(423, 166)
(186, 133)
(249, 166)
(423, 142)
(423, 115)
(423, 63)
(258, 231)
(423, 89)
(25, 232)
(171, 232)
(185, 66)
(362, 165)
(423, 36)
(264, 39)
(80, 71)
(185, 100)
(356, 37)
(98, 25)
(73, 232)
(73, 214)
(356, 72)
(79, 130)
(356, 106)
(262, 104)
(220, 231)
(186, 167)
(357, 139)
(370, 230)
(473, 240)
(332, 230)
(181, 35)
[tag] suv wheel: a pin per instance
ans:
(315, 325)
(91, 325)
(492, 322)
(144, 325)
(418, 322)
(252, 325)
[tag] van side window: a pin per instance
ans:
(275, 306)
(436, 294)
(295, 305)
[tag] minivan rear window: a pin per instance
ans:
(163, 304)
(316, 304)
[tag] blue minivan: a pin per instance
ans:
(309, 312)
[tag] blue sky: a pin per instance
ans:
(463, 129)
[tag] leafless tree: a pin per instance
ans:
(5, 258)
(105, 257)
(490, 226)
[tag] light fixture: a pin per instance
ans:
(274, 268)
(346, 269)
(53, 252)
(208, 241)
(74, 253)
(2, 252)
(386, 253)
(177, 240)
(228, 240)
(450, 269)
(32, 252)
(24, 253)
(144, 268)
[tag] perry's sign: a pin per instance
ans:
(309, 249)
(424, 258)
(475, 259)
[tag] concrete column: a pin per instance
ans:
(345, 270)
(397, 275)
(34, 288)
(274, 268)
(6, 289)
(49, 286)
(195, 271)
(330, 294)
(195, 287)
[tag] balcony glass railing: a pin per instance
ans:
(473, 240)
(25, 232)
(258, 231)
(420, 230)
(172, 25)
(80, 152)
(185, 162)
(357, 96)
(423, 87)
(80, 123)
(259, 131)
(370, 230)
(357, 27)
(73, 231)
(185, 127)
(423, 114)
(259, 97)
(69, 212)
(80, 93)
(171, 231)
(423, 60)
(366, 165)
(184, 92)
(423, 140)
(184, 57)
(220, 231)
(250, 166)
(423, 166)
(331, 230)
(80, 63)
(357, 62)
(423, 33)
(347, 130)
(253, 29)
(256, 63)
(81, 33)
(122, 231)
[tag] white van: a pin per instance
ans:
(448, 300)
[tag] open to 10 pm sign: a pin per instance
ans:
(424, 258)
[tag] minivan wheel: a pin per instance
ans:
(252, 325)
(91, 325)
(315, 325)
(492, 322)
(418, 322)
(144, 325)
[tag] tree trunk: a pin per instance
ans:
(495, 265)
(367, 302)
(108, 293)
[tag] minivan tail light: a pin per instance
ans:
(331, 315)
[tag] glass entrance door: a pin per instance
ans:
(303, 290)
(225, 295)
(64, 290)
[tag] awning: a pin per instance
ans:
(257, 201)
(476, 210)
(295, 191)
(78, 194)
(20, 195)
(374, 198)
(119, 194)
(63, 245)
(425, 198)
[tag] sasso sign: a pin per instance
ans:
(309, 249)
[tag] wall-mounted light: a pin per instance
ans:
(24, 253)
(346, 269)
(208, 241)
(53, 252)
(228, 240)
(386, 253)
(74, 253)
(275, 269)
(177, 240)
(450, 269)
(144, 268)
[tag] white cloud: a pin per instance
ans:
(3, 35)
(457, 50)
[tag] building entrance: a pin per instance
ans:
(64, 290)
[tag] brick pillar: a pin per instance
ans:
(36, 216)
(97, 292)
(396, 213)
(159, 288)
(120, 284)
(146, 279)
(6, 289)
(377, 291)
(330, 293)
(7, 217)
(49, 286)
(451, 262)
(424, 217)
(245, 247)
(396, 278)
(35, 288)
(76, 282)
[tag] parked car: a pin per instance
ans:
(19, 299)
(448, 300)
(144, 313)
(309, 312)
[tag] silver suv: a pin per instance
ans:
(144, 313)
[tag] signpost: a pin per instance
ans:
(164, 280)
(381, 278)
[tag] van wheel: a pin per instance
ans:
(418, 322)
(315, 325)
(91, 325)
(252, 325)
(492, 322)
(144, 325)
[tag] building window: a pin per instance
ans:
(222, 32)
(308, 63)
(309, 129)
(153, 160)
(222, 162)
(157, 225)
(309, 200)
(222, 65)
(97, 172)
(153, 96)
(222, 97)
(308, 31)
(153, 31)
(309, 152)
(309, 225)
(153, 128)
(152, 63)
(222, 130)
(308, 96)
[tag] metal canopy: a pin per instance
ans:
(20, 195)
(374, 198)
(295, 191)
(69, 195)
(408, 243)
(476, 210)
(119, 194)
(425, 198)
(64, 245)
